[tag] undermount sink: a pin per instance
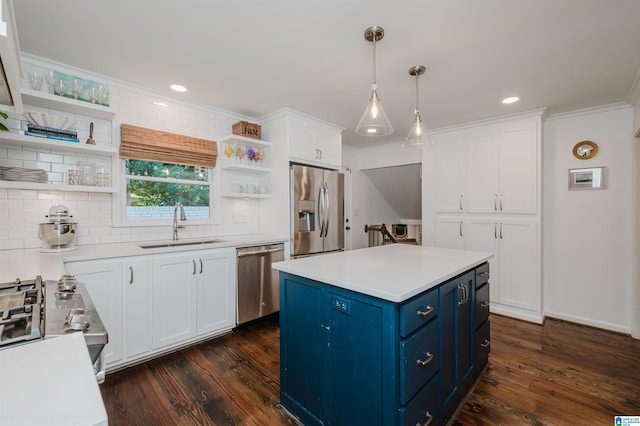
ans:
(179, 243)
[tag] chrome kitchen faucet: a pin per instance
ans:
(183, 216)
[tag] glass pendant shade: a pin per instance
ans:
(374, 121)
(417, 131)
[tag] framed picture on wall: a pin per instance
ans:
(591, 178)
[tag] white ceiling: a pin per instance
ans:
(254, 56)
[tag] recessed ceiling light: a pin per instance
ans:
(510, 100)
(178, 88)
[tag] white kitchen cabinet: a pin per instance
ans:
(151, 304)
(515, 280)
(449, 172)
(137, 307)
(216, 305)
(192, 295)
(485, 189)
(488, 169)
(501, 166)
(450, 232)
(101, 278)
(173, 297)
(311, 141)
(515, 283)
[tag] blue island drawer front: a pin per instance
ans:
(423, 410)
(417, 312)
(482, 274)
(482, 304)
(483, 342)
(418, 361)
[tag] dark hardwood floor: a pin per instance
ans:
(556, 374)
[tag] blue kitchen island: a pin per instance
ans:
(389, 335)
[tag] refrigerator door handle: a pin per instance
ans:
(327, 209)
(321, 210)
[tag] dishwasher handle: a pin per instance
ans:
(259, 251)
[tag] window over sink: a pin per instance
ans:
(152, 189)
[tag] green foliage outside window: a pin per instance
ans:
(156, 192)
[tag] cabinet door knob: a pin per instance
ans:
(425, 312)
(485, 344)
(428, 421)
(484, 304)
(425, 361)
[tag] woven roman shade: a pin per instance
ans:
(138, 143)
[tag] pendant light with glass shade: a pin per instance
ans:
(374, 121)
(417, 129)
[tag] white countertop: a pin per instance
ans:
(393, 272)
(59, 389)
(27, 263)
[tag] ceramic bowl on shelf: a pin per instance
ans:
(50, 120)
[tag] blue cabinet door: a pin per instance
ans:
(302, 372)
(355, 374)
(456, 340)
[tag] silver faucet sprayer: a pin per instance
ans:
(183, 216)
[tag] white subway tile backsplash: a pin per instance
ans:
(7, 244)
(50, 158)
(21, 154)
(21, 194)
(36, 165)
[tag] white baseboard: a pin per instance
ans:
(592, 323)
(509, 311)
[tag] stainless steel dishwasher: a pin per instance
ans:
(258, 293)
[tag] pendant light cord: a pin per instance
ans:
(374, 84)
(417, 96)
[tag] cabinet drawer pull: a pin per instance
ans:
(426, 361)
(425, 312)
(484, 274)
(485, 344)
(484, 304)
(426, 422)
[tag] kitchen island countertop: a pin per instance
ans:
(394, 272)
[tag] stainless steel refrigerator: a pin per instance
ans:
(317, 200)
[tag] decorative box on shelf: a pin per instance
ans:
(250, 130)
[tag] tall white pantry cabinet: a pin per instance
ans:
(482, 191)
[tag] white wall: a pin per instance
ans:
(634, 99)
(22, 210)
(368, 205)
(588, 241)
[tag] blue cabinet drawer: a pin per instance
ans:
(482, 274)
(417, 312)
(482, 304)
(483, 342)
(423, 409)
(418, 361)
